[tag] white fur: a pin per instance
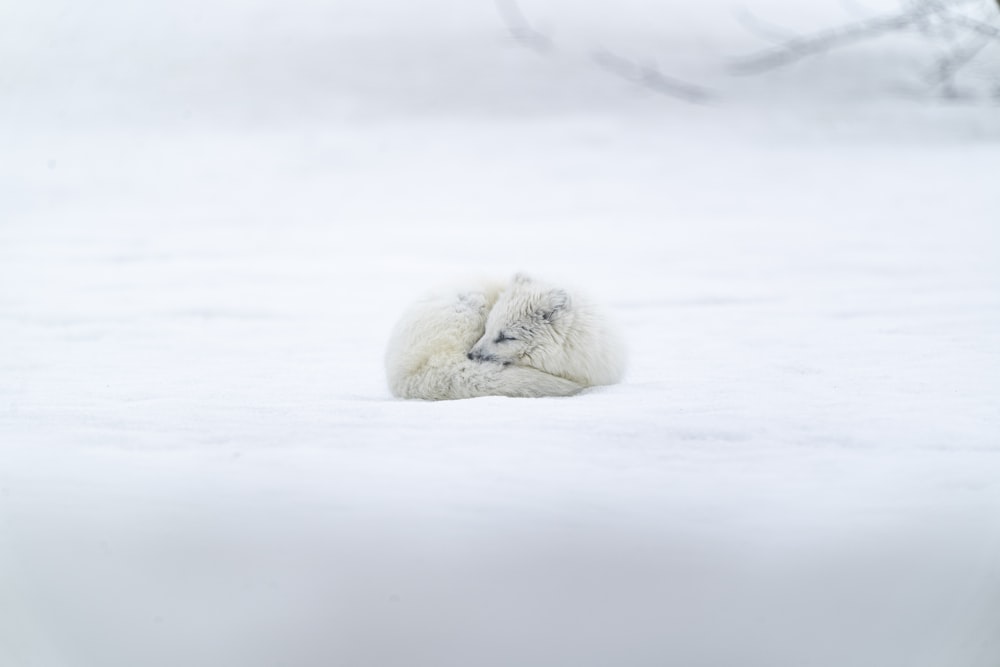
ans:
(446, 346)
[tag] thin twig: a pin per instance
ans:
(949, 66)
(984, 29)
(519, 28)
(643, 75)
(649, 76)
(766, 30)
(821, 42)
(921, 14)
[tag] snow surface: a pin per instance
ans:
(211, 215)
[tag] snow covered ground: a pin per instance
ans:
(211, 215)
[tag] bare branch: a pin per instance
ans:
(807, 45)
(933, 17)
(519, 28)
(948, 67)
(649, 76)
(984, 29)
(767, 31)
(940, 20)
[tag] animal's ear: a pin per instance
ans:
(522, 278)
(555, 304)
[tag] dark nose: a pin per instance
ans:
(471, 358)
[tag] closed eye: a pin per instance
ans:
(501, 337)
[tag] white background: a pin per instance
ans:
(212, 213)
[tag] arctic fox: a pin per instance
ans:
(523, 339)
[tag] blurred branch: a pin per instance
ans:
(921, 14)
(650, 77)
(800, 47)
(646, 76)
(949, 66)
(767, 31)
(935, 19)
(519, 28)
(984, 29)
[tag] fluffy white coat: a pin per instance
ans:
(525, 339)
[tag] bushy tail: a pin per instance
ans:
(472, 379)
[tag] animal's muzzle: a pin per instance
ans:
(476, 355)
